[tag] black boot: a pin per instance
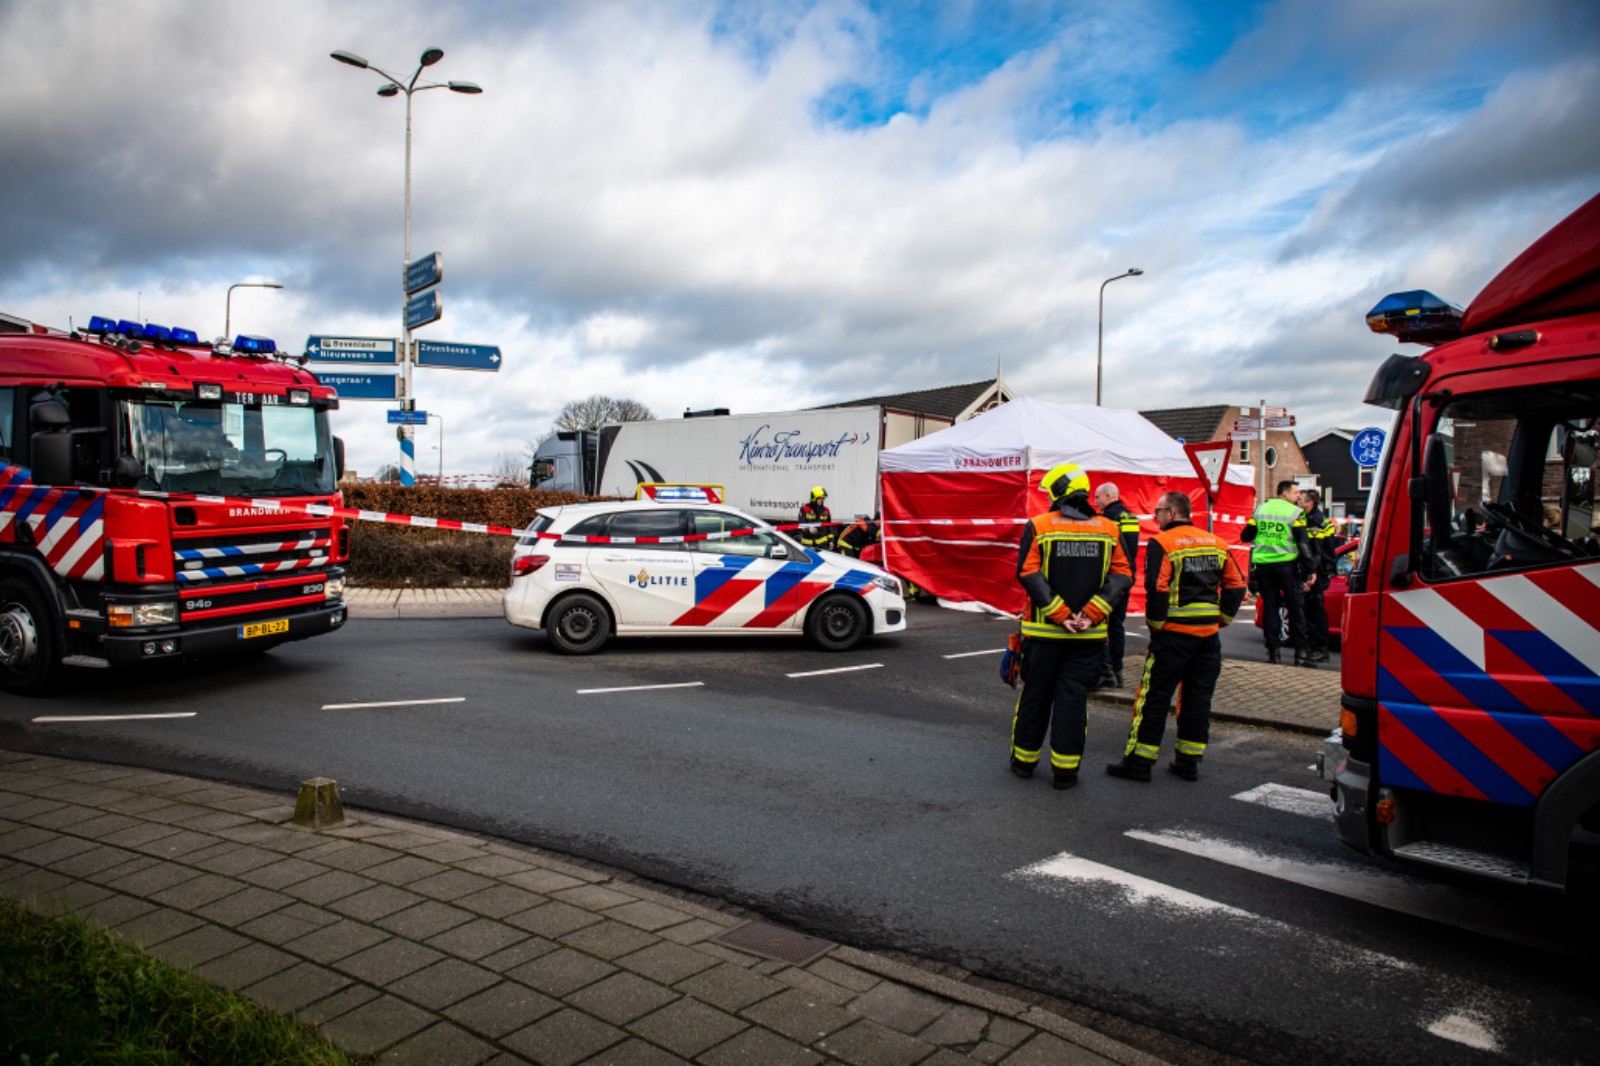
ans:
(1131, 767)
(1274, 656)
(1304, 658)
(1186, 767)
(1064, 779)
(1319, 655)
(1020, 768)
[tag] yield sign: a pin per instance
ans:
(1210, 461)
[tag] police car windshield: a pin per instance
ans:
(229, 449)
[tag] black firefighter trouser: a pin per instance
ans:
(1057, 675)
(1280, 591)
(1175, 659)
(1116, 635)
(1317, 615)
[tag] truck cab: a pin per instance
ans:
(158, 500)
(1471, 668)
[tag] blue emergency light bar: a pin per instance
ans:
(101, 325)
(1416, 317)
(184, 336)
(131, 330)
(254, 345)
(159, 334)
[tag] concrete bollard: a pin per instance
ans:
(318, 806)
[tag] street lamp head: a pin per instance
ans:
(1134, 272)
(351, 59)
(431, 56)
(270, 284)
(389, 90)
(468, 87)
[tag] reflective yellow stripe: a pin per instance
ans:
(1105, 607)
(1191, 747)
(1064, 762)
(1196, 610)
(1146, 751)
(1052, 607)
(1138, 703)
(1043, 630)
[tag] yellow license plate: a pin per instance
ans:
(264, 629)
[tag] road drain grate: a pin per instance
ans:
(771, 942)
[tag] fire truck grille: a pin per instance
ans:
(244, 554)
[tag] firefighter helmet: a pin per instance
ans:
(1064, 480)
(818, 493)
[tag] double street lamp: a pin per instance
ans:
(1100, 329)
(395, 88)
(227, 316)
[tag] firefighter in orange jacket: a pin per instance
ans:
(1072, 566)
(1193, 586)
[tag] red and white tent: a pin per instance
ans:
(954, 501)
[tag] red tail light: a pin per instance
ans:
(523, 565)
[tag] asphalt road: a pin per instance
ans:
(873, 806)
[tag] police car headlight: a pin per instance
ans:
(125, 615)
(888, 584)
(333, 589)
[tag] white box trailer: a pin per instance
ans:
(766, 463)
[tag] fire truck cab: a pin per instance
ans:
(1471, 669)
(132, 460)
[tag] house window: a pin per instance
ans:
(1364, 478)
(1271, 455)
(1244, 451)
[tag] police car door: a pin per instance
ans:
(651, 584)
(734, 576)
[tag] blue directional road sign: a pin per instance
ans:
(424, 308)
(421, 273)
(1366, 448)
(408, 418)
(363, 386)
(375, 351)
(453, 356)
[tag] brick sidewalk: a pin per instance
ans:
(424, 603)
(434, 947)
(1283, 697)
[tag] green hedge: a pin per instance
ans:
(391, 556)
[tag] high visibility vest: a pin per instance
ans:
(1275, 522)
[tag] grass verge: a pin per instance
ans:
(69, 993)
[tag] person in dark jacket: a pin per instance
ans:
(1108, 501)
(816, 510)
(1324, 538)
(1071, 565)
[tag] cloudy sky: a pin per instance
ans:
(765, 205)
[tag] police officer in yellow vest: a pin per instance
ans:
(816, 510)
(1280, 563)
(1072, 566)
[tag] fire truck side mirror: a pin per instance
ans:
(127, 472)
(338, 459)
(50, 447)
(1436, 468)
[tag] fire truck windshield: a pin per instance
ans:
(229, 449)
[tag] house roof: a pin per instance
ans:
(1188, 423)
(948, 401)
(1336, 431)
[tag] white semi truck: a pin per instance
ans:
(766, 463)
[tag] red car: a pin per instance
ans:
(1333, 599)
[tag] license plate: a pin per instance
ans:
(264, 629)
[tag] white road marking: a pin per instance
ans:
(111, 717)
(1303, 801)
(639, 688)
(970, 654)
(391, 703)
(1465, 1029)
(1364, 883)
(836, 670)
(1139, 890)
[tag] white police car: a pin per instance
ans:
(759, 583)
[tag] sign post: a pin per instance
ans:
(1366, 448)
(408, 418)
(451, 355)
(362, 386)
(374, 351)
(1210, 460)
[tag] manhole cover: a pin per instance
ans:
(771, 942)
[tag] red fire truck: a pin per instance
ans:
(132, 458)
(1471, 705)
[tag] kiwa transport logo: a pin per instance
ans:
(768, 447)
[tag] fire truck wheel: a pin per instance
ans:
(28, 664)
(838, 622)
(579, 625)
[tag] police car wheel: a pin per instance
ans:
(28, 664)
(579, 625)
(838, 622)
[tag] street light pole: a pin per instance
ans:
(227, 318)
(1100, 329)
(408, 402)
(431, 417)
